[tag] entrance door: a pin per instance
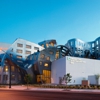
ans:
(45, 78)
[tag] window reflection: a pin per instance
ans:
(12, 68)
(52, 44)
(19, 45)
(57, 55)
(28, 46)
(45, 77)
(6, 69)
(42, 45)
(46, 64)
(42, 56)
(48, 58)
(40, 62)
(47, 45)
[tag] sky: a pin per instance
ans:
(39, 20)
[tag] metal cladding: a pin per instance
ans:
(26, 55)
(38, 57)
(83, 49)
(41, 60)
(19, 51)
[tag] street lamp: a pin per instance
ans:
(9, 67)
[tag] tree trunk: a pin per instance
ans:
(66, 86)
(27, 85)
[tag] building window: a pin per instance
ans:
(12, 77)
(46, 64)
(5, 77)
(42, 45)
(19, 45)
(97, 42)
(47, 45)
(52, 44)
(48, 58)
(40, 62)
(57, 55)
(19, 51)
(92, 44)
(12, 68)
(71, 43)
(36, 48)
(28, 52)
(45, 77)
(19, 56)
(97, 48)
(51, 52)
(42, 56)
(28, 46)
(6, 69)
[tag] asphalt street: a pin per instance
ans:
(46, 95)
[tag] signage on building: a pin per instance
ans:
(75, 60)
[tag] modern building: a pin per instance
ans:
(79, 68)
(48, 62)
(83, 49)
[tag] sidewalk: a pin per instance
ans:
(24, 88)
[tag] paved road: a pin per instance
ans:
(46, 95)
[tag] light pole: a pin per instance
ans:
(9, 68)
(9, 76)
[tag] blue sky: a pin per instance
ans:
(38, 20)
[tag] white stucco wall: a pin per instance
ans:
(79, 68)
(58, 69)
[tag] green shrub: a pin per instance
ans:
(63, 86)
(71, 87)
(88, 87)
(74, 87)
(95, 87)
(50, 86)
(79, 87)
(2, 86)
(58, 86)
(99, 87)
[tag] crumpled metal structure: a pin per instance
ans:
(51, 52)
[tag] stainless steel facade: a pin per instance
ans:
(83, 49)
(26, 57)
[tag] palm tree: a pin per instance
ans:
(67, 78)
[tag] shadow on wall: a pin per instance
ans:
(94, 80)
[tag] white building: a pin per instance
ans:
(79, 69)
